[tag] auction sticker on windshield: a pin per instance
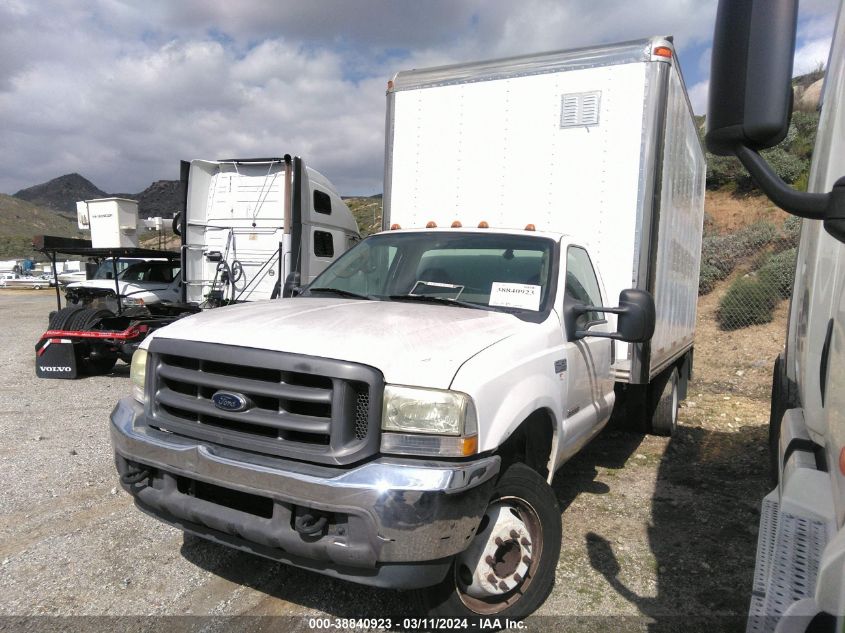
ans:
(525, 296)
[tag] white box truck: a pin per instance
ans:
(398, 422)
(799, 579)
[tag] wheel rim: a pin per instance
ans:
(497, 568)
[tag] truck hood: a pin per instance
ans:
(126, 288)
(411, 343)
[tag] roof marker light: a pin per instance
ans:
(431, 224)
(483, 225)
(530, 227)
(456, 224)
(395, 227)
(663, 51)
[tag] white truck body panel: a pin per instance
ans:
(237, 208)
(807, 494)
(493, 142)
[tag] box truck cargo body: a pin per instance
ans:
(598, 143)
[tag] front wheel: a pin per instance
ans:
(508, 569)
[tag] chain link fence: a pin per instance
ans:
(756, 264)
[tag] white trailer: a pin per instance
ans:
(256, 228)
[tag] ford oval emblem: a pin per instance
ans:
(228, 401)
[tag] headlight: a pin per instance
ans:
(138, 374)
(132, 301)
(416, 421)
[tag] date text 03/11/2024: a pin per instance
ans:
(416, 624)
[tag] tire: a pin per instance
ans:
(522, 504)
(664, 419)
(779, 404)
(60, 318)
(87, 319)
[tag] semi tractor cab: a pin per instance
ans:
(398, 423)
(251, 229)
(799, 580)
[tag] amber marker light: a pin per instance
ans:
(483, 225)
(663, 51)
(390, 84)
(530, 227)
(395, 227)
(456, 224)
(431, 224)
(469, 445)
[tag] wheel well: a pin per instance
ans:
(530, 443)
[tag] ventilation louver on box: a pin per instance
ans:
(580, 109)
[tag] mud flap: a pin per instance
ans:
(56, 358)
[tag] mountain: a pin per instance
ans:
(61, 194)
(162, 198)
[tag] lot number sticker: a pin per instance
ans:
(525, 296)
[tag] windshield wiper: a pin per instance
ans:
(441, 300)
(341, 293)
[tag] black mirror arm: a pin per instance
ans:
(581, 309)
(814, 206)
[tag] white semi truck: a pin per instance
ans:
(251, 229)
(799, 580)
(398, 422)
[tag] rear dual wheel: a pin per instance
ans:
(78, 318)
(508, 569)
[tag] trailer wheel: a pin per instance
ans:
(508, 569)
(664, 420)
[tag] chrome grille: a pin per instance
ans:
(307, 408)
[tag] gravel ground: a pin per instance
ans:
(658, 533)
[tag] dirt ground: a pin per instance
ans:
(659, 534)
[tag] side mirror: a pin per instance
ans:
(750, 101)
(91, 269)
(635, 322)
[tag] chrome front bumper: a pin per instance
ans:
(392, 522)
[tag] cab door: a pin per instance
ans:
(589, 388)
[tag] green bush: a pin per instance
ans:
(792, 227)
(758, 234)
(779, 272)
(708, 277)
(747, 302)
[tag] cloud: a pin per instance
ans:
(120, 91)
(698, 96)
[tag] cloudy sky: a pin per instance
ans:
(121, 90)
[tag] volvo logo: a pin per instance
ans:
(60, 369)
(228, 401)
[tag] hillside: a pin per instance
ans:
(367, 212)
(62, 193)
(20, 220)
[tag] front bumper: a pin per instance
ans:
(390, 522)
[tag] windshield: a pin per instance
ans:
(492, 271)
(106, 268)
(161, 272)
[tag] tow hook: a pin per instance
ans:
(135, 475)
(310, 523)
